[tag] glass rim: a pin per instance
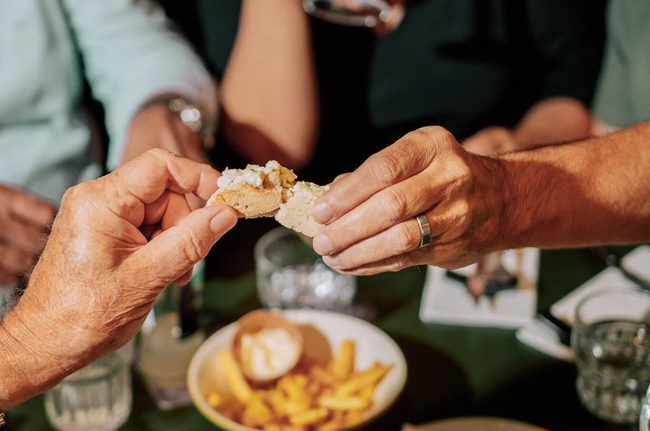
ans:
(577, 322)
(266, 239)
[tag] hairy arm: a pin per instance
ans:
(269, 94)
(591, 192)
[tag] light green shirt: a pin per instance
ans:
(128, 54)
(623, 94)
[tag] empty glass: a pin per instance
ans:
(362, 13)
(290, 274)
(611, 341)
(95, 398)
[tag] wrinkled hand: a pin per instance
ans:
(115, 244)
(158, 127)
(24, 223)
(491, 140)
(370, 214)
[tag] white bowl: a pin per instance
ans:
(204, 375)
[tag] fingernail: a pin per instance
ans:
(224, 219)
(322, 212)
(322, 245)
(331, 261)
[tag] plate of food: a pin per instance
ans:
(292, 370)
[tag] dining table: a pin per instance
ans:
(453, 371)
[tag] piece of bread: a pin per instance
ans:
(295, 213)
(257, 191)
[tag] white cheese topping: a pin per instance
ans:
(269, 353)
(253, 175)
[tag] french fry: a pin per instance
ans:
(214, 399)
(344, 403)
(257, 412)
(322, 375)
(294, 390)
(362, 380)
(309, 417)
(367, 393)
(236, 381)
(343, 362)
(272, 427)
(294, 407)
(332, 425)
(278, 401)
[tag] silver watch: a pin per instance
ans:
(2, 420)
(190, 115)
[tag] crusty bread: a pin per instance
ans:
(252, 202)
(295, 213)
(270, 191)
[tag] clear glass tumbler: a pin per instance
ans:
(290, 274)
(362, 13)
(95, 398)
(611, 342)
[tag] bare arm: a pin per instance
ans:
(586, 193)
(556, 119)
(269, 94)
(592, 192)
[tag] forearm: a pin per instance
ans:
(592, 192)
(269, 93)
(556, 119)
(25, 371)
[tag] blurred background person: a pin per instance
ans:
(322, 97)
(623, 92)
(134, 65)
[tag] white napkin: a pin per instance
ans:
(445, 300)
(540, 337)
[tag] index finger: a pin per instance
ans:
(148, 176)
(407, 157)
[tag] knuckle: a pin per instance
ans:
(386, 168)
(396, 203)
(192, 247)
(406, 238)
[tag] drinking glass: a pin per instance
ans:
(644, 423)
(290, 274)
(611, 342)
(95, 398)
(361, 13)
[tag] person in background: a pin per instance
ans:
(321, 97)
(126, 235)
(134, 64)
(593, 192)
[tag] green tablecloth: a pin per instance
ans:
(453, 370)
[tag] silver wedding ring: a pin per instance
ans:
(425, 230)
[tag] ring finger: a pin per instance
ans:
(401, 238)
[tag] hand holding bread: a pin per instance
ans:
(270, 191)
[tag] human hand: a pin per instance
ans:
(115, 244)
(370, 214)
(24, 223)
(158, 127)
(491, 140)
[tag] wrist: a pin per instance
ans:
(492, 220)
(29, 369)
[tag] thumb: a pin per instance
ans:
(175, 251)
